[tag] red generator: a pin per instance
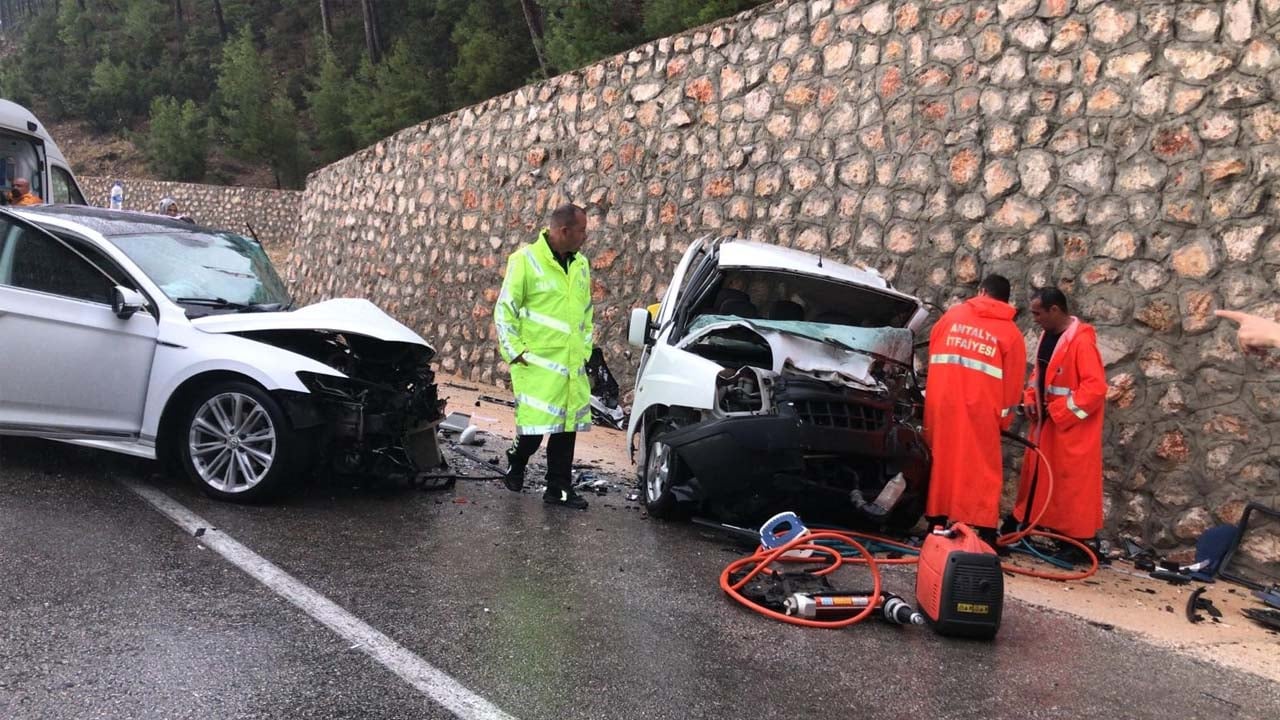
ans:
(959, 584)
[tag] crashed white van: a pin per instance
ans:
(773, 379)
(28, 151)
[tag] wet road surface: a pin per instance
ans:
(108, 609)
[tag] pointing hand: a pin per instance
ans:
(1256, 333)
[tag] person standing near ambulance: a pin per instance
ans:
(977, 365)
(545, 326)
(1064, 399)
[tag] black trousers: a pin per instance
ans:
(559, 456)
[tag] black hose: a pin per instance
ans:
(1018, 439)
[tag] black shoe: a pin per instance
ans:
(514, 477)
(1009, 526)
(988, 536)
(567, 498)
(1072, 554)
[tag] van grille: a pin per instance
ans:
(840, 415)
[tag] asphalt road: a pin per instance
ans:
(108, 609)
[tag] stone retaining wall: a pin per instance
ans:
(272, 213)
(1127, 152)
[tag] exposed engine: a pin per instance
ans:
(381, 419)
(852, 418)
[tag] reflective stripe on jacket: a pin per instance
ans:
(544, 312)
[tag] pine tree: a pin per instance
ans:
(245, 94)
(579, 32)
(111, 95)
(327, 106)
(667, 17)
(283, 143)
(177, 144)
(495, 54)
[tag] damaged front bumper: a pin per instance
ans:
(369, 428)
(819, 452)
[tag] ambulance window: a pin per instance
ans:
(65, 191)
(20, 158)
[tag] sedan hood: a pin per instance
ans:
(349, 316)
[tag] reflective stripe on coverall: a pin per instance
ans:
(977, 362)
(545, 313)
(1070, 437)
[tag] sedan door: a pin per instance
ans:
(69, 368)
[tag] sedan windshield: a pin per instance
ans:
(211, 269)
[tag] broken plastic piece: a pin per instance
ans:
(498, 400)
(456, 422)
(1196, 602)
(1172, 578)
(1265, 617)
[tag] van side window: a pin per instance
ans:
(65, 191)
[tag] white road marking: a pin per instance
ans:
(428, 679)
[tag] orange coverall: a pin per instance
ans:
(1070, 437)
(977, 363)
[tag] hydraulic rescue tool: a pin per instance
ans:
(831, 606)
(959, 585)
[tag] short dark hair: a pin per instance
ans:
(565, 215)
(1049, 297)
(996, 286)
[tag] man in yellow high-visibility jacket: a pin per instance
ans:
(544, 322)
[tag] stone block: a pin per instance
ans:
(1160, 313)
(1107, 100)
(1142, 174)
(1197, 64)
(1068, 36)
(1220, 166)
(1261, 56)
(1089, 172)
(1016, 9)
(1152, 97)
(1111, 25)
(1197, 308)
(1238, 20)
(1018, 213)
(1122, 244)
(1051, 71)
(1030, 35)
(1176, 142)
(1198, 23)
(1218, 127)
(1127, 67)
(1239, 91)
(1066, 206)
(878, 18)
(1035, 171)
(1197, 260)
(1010, 70)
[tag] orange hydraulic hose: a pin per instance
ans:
(763, 558)
(1016, 537)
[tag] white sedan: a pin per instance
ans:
(148, 336)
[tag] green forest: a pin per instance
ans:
(295, 84)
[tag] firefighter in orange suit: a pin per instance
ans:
(977, 364)
(1064, 398)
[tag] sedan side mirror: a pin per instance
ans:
(126, 303)
(640, 331)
